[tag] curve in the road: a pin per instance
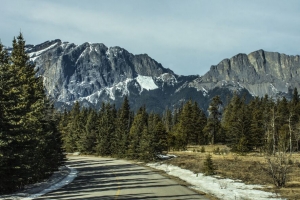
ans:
(105, 178)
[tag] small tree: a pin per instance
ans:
(208, 166)
(202, 150)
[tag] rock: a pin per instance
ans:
(92, 73)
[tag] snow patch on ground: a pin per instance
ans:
(146, 82)
(59, 179)
(221, 188)
(65, 181)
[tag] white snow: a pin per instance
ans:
(146, 82)
(35, 55)
(123, 86)
(107, 52)
(204, 90)
(273, 88)
(65, 181)
(226, 189)
(167, 78)
(110, 92)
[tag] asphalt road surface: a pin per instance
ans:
(103, 178)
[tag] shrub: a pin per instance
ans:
(208, 166)
(202, 150)
(217, 151)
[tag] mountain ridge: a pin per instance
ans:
(91, 73)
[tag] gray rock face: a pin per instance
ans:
(72, 72)
(92, 73)
(260, 73)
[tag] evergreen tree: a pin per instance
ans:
(71, 135)
(237, 124)
(199, 122)
(106, 130)
(185, 128)
(138, 125)
(24, 128)
(88, 136)
(213, 126)
(124, 121)
(295, 98)
(159, 134)
(208, 166)
(257, 124)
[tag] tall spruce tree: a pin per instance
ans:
(123, 125)
(140, 122)
(199, 122)
(213, 126)
(105, 135)
(25, 132)
(257, 124)
(72, 131)
(236, 123)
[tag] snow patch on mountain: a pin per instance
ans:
(146, 82)
(34, 55)
(123, 86)
(167, 78)
(110, 92)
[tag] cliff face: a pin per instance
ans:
(72, 72)
(260, 73)
(92, 73)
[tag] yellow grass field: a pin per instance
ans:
(248, 168)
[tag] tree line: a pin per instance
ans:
(261, 125)
(30, 143)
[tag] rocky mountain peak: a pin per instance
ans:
(260, 72)
(92, 72)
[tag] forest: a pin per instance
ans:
(30, 143)
(263, 125)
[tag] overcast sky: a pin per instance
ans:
(187, 36)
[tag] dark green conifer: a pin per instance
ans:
(138, 125)
(123, 125)
(25, 132)
(213, 126)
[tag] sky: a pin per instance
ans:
(187, 36)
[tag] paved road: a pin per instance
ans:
(103, 178)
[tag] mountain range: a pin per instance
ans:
(93, 73)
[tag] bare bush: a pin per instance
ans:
(278, 167)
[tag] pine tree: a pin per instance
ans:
(237, 124)
(105, 134)
(24, 129)
(199, 121)
(71, 135)
(138, 125)
(123, 125)
(185, 128)
(208, 166)
(88, 137)
(213, 126)
(257, 124)
(146, 151)
(159, 134)
(7, 159)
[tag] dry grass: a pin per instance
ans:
(248, 168)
